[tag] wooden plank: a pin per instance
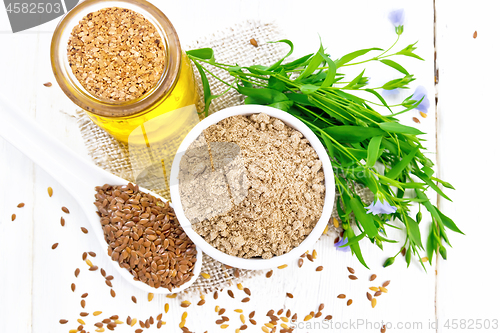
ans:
(467, 123)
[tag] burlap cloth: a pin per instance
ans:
(231, 46)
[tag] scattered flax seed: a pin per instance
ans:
(321, 307)
(64, 209)
(329, 317)
(373, 277)
(269, 274)
(474, 35)
(415, 119)
(326, 230)
(289, 295)
(21, 205)
(351, 270)
(294, 317)
(48, 84)
(369, 296)
(216, 295)
(84, 230)
(85, 295)
(353, 277)
(109, 284)
(172, 295)
(166, 307)
(377, 294)
(252, 314)
(50, 191)
(308, 317)
(315, 254)
(301, 262)
(236, 273)
(386, 283)
(403, 249)
(255, 44)
(217, 308)
(100, 330)
(239, 286)
(221, 312)
(319, 268)
(383, 329)
(341, 296)
(54, 246)
(280, 312)
(242, 318)
(310, 257)
(80, 321)
(13, 217)
(282, 266)
(384, 289)
(230, 293)
(349, 302)
(224, 326)
(88, 262)
(253, 321)
(63, 222)
(424, 115)
(288, 313)
(373, 288)
(374, 302)
(336, 223)
(82, 303)
(96, 313)
(84, 255)
(185, 304)
(73, 287)
(150, 297)
(247, 291)
(77, 272)
(63, 321)
(205, 275)
(92, 254)
(113, 293)
(133, 322)
(201, 302)
(245, 300)
(238, 310)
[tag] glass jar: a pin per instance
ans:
(164, 113)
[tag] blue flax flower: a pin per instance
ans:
(341, 242)
(397, 17)
(380, 206)
(417, 96)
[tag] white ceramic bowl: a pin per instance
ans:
(256, 263)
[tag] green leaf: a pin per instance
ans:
(328, 144)
(263, 95)
(428, 171)
(355, 81)
(204, 53)
(408, 51)
(354, 240)
(394, 65)
(207, 95)
(398, 168)
(442, 252)
(276, 64)
(431, 246)
(365, 219)
(413, 231)
(393, 127)
(332, 72)
(373, 150)
(380, 98)
(353, 55)
(448, 222)
(297, 63)
(350, 134)
(308, 89)
(276, 84)
(429, 182)
(316, 60)
(285, 105)
(355, 247)
(399, 83)
(427, 204)
(445, 184)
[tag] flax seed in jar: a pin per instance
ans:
(121, 62)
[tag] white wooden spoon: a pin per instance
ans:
(76, 174)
